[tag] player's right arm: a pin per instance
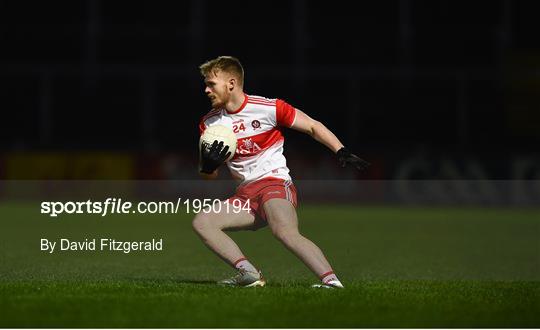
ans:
(211, 157)
(206, 161)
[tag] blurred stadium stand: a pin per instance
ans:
(442, 89)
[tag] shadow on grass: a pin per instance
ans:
(188, 281)
(167, 281)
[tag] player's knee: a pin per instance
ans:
(202, 222)
(285, 235)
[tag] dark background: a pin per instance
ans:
(446, 81)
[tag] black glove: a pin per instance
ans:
(346, 157)
(212, 157)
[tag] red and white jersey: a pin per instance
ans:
(259, 151)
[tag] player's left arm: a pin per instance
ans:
(305, 124)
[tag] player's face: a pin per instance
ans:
(217, 88)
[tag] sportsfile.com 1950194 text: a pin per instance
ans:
(112, 206)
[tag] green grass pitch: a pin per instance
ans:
(402, 267)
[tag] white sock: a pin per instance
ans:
(329, 276)
(244, 264)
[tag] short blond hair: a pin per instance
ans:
(227, 64)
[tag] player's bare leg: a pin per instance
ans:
(282, 220)
(211, 226)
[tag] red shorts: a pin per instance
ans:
(258, 192)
